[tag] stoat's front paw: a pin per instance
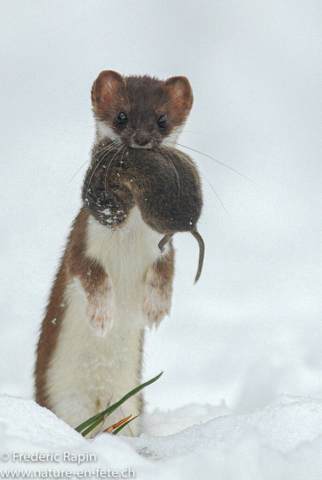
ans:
(156, 302)
(100, 309)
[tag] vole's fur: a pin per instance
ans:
(164, 183)
(113, 277)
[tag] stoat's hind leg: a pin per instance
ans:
(157, 289)
(76, 408)
(73, 407)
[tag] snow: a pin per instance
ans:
(281, 441)
(240, 397)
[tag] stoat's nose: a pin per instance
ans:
(141, 139)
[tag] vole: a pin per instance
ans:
(117, 270)
(164, 184)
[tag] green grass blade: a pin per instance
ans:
(98, 418)
(92, 426)
(118, 429)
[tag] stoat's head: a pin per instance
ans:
(140, 111)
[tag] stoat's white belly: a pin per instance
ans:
(88, 371)
(126, 254)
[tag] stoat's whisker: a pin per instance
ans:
(116, 153)
(102, 152)
(219, 199)
(108, 148)
(220, 163)
(210, 184)
(83, 165)
(115, 142)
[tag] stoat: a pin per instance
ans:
(113, 278)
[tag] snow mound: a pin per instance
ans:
(24, 420)
(279, 442)
(283, 425)
(161, 423)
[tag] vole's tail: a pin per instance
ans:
(201, 243)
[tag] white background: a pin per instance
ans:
(251, 329)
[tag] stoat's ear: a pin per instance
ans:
(108, 86)
(181, 95)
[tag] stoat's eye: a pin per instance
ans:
(162, 121)
(121, 118)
